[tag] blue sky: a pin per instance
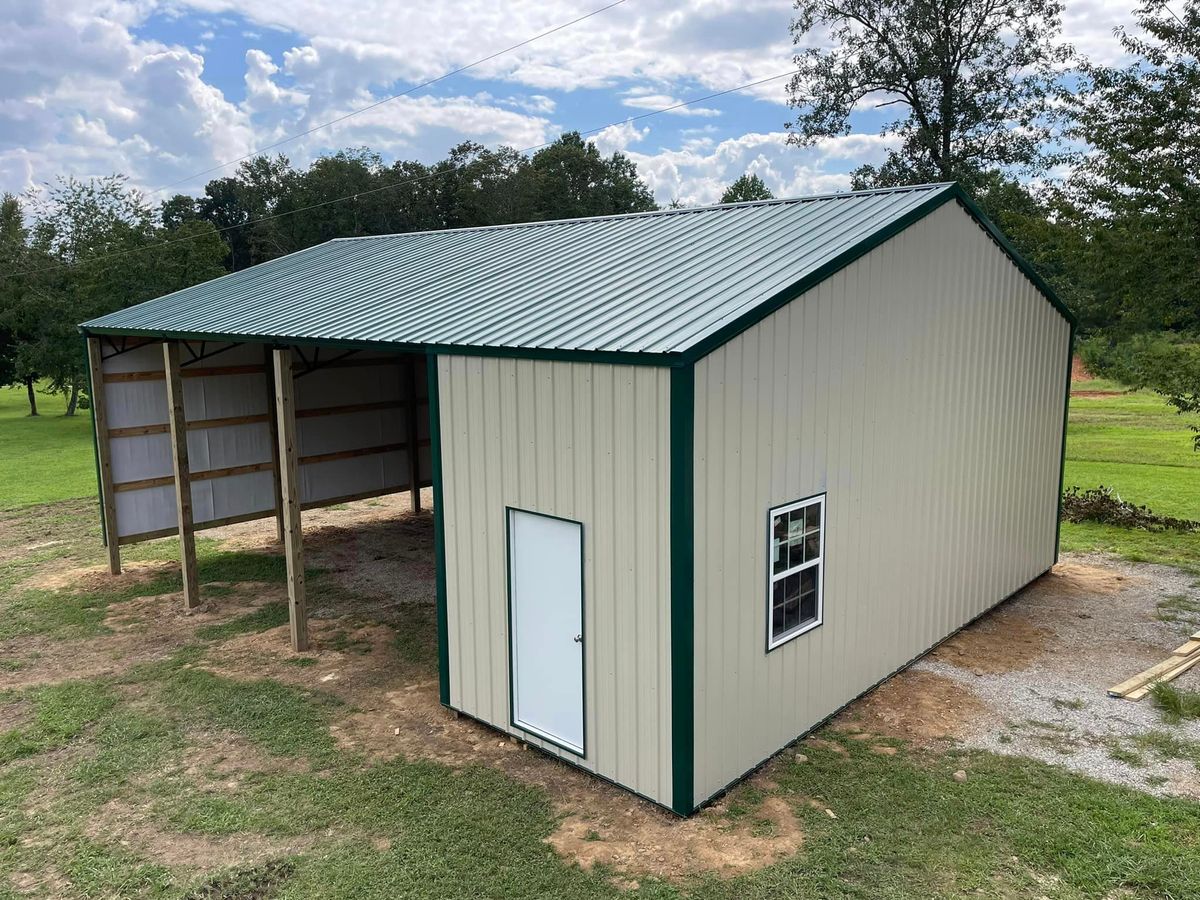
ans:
(162, 89)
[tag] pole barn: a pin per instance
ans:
(701, 477)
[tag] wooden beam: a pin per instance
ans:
(350, 454)
(183, 480)
(202, 475)
(273, 419)
(411, 431)
(293, 542)
(108, 501)
(201, 372)
(347, 408)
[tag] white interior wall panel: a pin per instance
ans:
(222, 395)
(920, 388)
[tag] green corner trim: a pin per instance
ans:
(439, 525)
(1062, 461)
(683, 600)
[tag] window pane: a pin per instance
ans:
(777, 594)
(808, 580)
(791, 615)
(808, 607)
(812, 516)
(779, 546)
(792, 586)
(796, 553)
(812, 546)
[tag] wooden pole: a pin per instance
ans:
(108, 501)
(273, 420)
(183, 476)
(414, 450)
(293, 542)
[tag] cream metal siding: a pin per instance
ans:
(588, 442)
(922, 388)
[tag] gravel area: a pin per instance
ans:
(1031, 678)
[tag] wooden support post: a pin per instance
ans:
(108, 501)
(411, 428)
(293, 544)
(273, 420)
(183, 475)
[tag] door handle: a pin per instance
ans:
(579, 638)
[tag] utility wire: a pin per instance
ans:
(378, 103)
(407, 181)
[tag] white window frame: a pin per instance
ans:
(773, 640)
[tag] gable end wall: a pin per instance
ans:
(921, 388)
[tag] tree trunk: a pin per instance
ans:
(32, 394)
(73, 400)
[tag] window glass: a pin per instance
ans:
(796, 560)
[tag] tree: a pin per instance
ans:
(14, 260)
(1138, 196)
(94, 247)
(1139, 192)
(570, 179)
(747, 187)
(974, 82)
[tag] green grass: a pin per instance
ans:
(1176, 703)
(61, 712)
(1137, 445)
(45, 458)
(266, 617)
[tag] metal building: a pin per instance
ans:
(701, 477)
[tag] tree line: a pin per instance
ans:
(1092, 171)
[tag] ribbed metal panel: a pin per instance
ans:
(922, 388)
(648, 283)
(590, 443)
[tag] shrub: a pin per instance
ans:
(1104, 505)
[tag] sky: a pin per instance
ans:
(165, 90)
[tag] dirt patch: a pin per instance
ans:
(88, 579)
(1003, 642)
(138, 830)
(655, 843)
(1079, 371)
(920, 707)
(1098, 394)
(141, 630)
(14, 714)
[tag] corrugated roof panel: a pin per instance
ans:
(648, 283)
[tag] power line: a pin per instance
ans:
(407, 181)
(378, 103)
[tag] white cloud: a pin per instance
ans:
(643, 98)
(618, 137)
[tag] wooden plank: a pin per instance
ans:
(203, 475)
(108, 502)
(350, 454)
(197, 425)
(1141, 679)
(411, 432)
(197, 526)
(272, 418)
(1182, 664)
(139, 430)
(183, 481)
(347, 408)
(293, 541)
(199, 372)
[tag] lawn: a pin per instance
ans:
(1137, 445)
(43, 458)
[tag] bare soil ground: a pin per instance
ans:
(1030, 679)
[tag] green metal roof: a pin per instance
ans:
(660, 283)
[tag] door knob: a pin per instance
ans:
(579, 638)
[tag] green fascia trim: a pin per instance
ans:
(683, 599)
(952, 192)
(1062, 461)
(95, 446)
(439, 525)
(612, 357)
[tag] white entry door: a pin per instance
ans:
(545, 560)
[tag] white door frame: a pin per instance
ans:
(559, 742)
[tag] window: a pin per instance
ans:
(794, 587)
